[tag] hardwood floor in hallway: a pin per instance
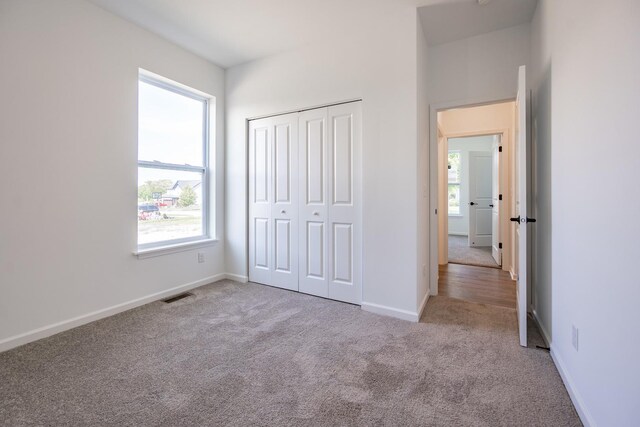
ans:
(477, 284)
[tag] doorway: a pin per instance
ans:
(473, 205)
(475, 167)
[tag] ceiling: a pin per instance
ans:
(447, 22)
(231, 32)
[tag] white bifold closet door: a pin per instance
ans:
(327, 227)
(273, 201)
(330, 252)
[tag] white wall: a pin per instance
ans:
(423, 244)
(377, 62)
(484, 67)
(68, 153)
(593, 117)
(459, 224)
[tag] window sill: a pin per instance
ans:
(171, 249)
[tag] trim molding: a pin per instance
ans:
(423, 304)
(49, 330)
(236, 277)
(513, 274)
(390, 311)
(545, 334)
(172, 249)
(585, 416)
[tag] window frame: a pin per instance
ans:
(204, 169)
(458, 184)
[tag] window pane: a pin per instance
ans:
(454, 166)
(454, 199)
(169, 205)
(170, 126)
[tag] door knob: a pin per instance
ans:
(283, 211)
(515, 219)
(472, 204)
(316, 213)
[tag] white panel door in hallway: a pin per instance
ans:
(273, 201)
(480, 198)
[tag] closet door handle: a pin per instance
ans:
(316, 213)
(283, 211)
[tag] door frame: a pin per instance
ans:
(358, 188)
(434, 190)
(503, 134)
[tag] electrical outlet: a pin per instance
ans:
(200, 257)
(574, 337)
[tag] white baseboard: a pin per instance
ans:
(423, 304)
(513, 274)
(545, 334)
(236, 277)
(584, 415)
(47, 331)
(390, 311)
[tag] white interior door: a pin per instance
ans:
(343, 148)
(284, 209)
(260, 197)
(480, 198)
(496, 251)
(521, 204)
(313, 211)
(273, 201)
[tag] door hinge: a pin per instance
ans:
(500, 149)
(500, 245)
(500, 197)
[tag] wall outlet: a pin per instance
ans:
(574, 337)
(200, 257)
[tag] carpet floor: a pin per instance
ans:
(246, 354)
(461, 253)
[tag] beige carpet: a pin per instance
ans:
(242, 355)
(461, 253)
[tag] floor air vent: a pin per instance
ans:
(177, 297)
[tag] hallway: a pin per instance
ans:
(461, 253)
(477, 284)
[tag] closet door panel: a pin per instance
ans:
(284, 211)
(345, 252)
(313, 202)
(260, 234)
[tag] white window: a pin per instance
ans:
(454, 173)
(173, 169)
